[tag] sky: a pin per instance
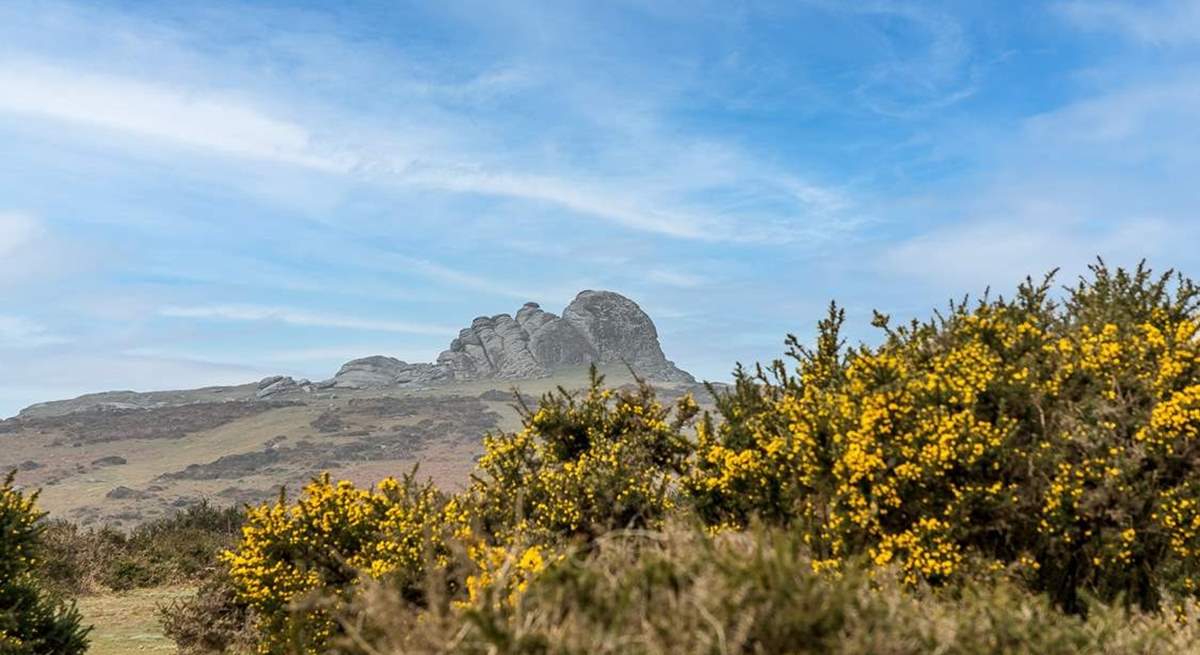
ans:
(208, 192)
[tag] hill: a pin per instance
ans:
(124, 457)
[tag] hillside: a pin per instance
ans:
(126, 457)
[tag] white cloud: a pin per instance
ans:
(1162, 22)
(999, 254)
(675, 278)
(16, 231)
(301, 317)
(575, 196)
(156, 111)
(20, 332)
(173, 114)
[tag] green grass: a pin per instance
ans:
(127, 622)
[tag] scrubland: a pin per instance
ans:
(1016, 474)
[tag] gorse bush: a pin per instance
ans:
(581, 466)
(1056, 437)
(32, 622)
(1039, 444)
(317, 548)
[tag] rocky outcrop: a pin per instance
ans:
(597, 327)
(277, 384)
(620, 332)
(533, 344)
(378, 372)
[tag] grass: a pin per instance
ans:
(127, 622)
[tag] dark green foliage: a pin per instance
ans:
(32, 621)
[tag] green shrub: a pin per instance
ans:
(174, 549)
(32, 622)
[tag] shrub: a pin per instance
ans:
(211, 621)
(31, 621)
(581, 465)
(177, 548)
(1058, 438)
(1006, 449)
(319, 548)
(684, 591)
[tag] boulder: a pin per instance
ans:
(274, 385)
(378, 372)
(621, 333)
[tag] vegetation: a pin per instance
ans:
(180, 548)
(1056, 438)
(681, 590)
(32, 621)
(1014, 475)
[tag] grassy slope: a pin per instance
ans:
(79, 492)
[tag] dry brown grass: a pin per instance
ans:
(679, 591)
(127, 622)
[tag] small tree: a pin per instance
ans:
(31, 622)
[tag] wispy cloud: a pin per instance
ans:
(912, 81)
(156, 111)
(16, 231)
(166, 113)
(675, 278)
(21, 332)
(300, 317)
(969, 257)
(1155, 22)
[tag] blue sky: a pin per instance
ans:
(198, 192)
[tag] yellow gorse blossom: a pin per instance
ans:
(325, 541)
(1054, 440)
(1009, 417)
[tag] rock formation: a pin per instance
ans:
(599, 327)
(378, 371)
